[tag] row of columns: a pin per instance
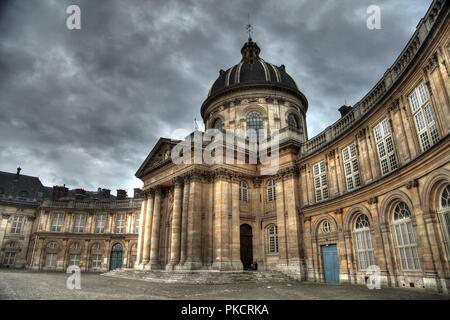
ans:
(186, 225)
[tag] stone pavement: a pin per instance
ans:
(23, 284)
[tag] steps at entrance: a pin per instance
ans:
(200, 276)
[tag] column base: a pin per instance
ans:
(170, 267)
(152, 266)
(190, 265)
(237, 265)
(223, 266)
(140, 266)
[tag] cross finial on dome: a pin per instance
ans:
(249, 28)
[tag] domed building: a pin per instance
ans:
(368, 195)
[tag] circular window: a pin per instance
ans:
(326, 227)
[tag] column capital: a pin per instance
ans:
(289, 172)
(178, 181)
(158, 191)
(222, 174)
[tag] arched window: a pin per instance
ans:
(292, 122)
(96, 247)
(53, 245)
(405, 238)
(272, 239)
(243, 191)
(363, 242)
(75, 246)
(271, 191)
(217, 124)
(444, 214)
(254, 124)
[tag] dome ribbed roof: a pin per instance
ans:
(252, 70)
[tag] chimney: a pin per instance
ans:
(344, 110)
(80, 194)
(121, 194)
(59, 192)
(106, 193)
(138, 194)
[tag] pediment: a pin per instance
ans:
(159, 155)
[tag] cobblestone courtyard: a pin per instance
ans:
(28, 285)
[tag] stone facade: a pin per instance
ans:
(50, 229)
(373, 186)
(84, 233)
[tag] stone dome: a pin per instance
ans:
(252, 71)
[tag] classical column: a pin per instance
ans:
(332, 169)
(176, 225)
(194, 244)
(429, 266)
(3, 224)
(294, 228)
(140, 243)
(147, 228)
(363, 157)
(303, 186)
(221, 226)
(409, 127)
(398, 131)
(156, 226)
(184, 222)
(236, 262)
(281, 222)
(373, 157)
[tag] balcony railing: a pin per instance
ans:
(375, 95)
(92, 204)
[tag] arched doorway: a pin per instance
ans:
(116, 256)
(246, 246)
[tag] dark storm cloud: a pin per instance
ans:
(85, 107)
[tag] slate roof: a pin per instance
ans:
(20, 187)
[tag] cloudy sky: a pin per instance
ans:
(85, 107)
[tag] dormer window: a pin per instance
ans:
(23, 194)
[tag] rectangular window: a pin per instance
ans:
(74, 260)
(50, 260)
(9, 259)
(100, 223)
(364, 249)
(57, 222)
(320, 181)
(16, 224)
(351, 167)
(423, 117)
(96, 261)
(120, 223)
(385, 147)
(406, 246)
(137, 223)
(79, 223)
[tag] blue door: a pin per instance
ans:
(116, 257)
(330, 263)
